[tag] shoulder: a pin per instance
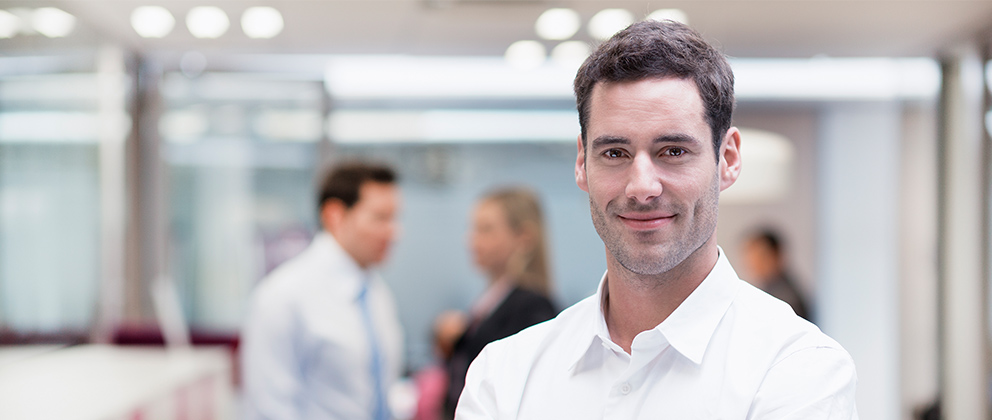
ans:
(498, 377)
(524, 348)
(765, 316)
(526, 298)
(285, 284)
(770, 327)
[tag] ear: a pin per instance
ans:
(580, 167)
(730, 158)
(331, 214)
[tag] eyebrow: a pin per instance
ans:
(604, 141)
(676, 138)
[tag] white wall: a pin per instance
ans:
(858, 247)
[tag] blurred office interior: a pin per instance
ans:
(158, 158)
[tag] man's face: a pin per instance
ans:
(651, 173)
(368, 228)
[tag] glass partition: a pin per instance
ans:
(50, 235)
(241, 152)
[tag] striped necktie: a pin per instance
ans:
(381, 410)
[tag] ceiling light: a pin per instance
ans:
(676, 15)
(608, 22)
(152, 21)
(52, 22)
(207, 22)
(558, 24)
(9, 24)
(261, 22)
(570, 54)
(526, 55)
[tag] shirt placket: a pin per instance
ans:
(625, 394)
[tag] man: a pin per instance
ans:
(765, 269)
(322, 339)
(672, 332)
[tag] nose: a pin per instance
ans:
(643, 183)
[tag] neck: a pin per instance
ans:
(345, 247)
(637, 302)
(496, 275)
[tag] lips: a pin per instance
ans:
(645, 221)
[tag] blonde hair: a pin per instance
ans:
(528, 267)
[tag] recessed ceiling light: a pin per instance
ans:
(608, 22)
(261, 22)
(570, 54)
(53, 22)
(558, 24)
(152, 21)
(526, 55)
(669, 14)
(9, 24)
(207, 22)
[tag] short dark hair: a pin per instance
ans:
(769, 238)
(344, 181)
(661, 49)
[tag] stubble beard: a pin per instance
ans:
(657, 253)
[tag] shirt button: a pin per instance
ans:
(625, 388)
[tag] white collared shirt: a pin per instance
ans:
(729, 351)
(305, 351)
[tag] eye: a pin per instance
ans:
(613, 153)
(674, 151)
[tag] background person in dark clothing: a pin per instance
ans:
(764, 263)
(508, 245)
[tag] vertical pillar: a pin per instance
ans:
(148, 206)
(114, 123)
(918, 308)
(963, 326)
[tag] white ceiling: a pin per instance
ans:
(766, 28)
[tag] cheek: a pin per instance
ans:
(378, 232)
(697, 184)
(603, 187)
(481, 245)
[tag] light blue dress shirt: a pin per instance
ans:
(305, 349)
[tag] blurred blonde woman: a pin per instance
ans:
(508, 245)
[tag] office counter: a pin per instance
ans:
(97, 382)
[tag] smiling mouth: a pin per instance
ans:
(645, 221)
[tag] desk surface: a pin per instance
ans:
(10, 355)
(97, 382)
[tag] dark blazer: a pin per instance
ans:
(521, 309)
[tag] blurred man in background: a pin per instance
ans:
(322, 339)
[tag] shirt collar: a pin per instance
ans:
(340, 266)
(591, 324)
(688, 329)
(692, 325)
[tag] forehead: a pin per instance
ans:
(647, 99)
(489, 208)
(371, 192)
